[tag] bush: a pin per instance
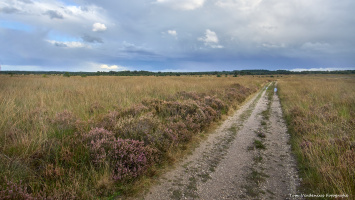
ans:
(64, 120)
(15, 191)
(130, 158)
(138, 128)
(100, 143)
(189, 95)
(174, 108)
(127, 158)
(109, 120)
(135, 110)
(215, 103)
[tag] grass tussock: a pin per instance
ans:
(97, 137)
(320, 111)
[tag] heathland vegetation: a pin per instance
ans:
(103, 136)
(320, 111)
(89, 137)
(234, 73)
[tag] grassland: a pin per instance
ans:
(320, 111)
(91, 137)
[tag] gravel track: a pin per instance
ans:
(247, 157)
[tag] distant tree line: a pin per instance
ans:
(148, 73)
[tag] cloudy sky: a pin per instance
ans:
(176, 35)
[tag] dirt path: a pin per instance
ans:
(248, 157)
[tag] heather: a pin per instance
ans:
(320, 111)
(90, 137)
(126, 157)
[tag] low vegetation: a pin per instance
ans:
(234, 73)
(96, 137)
(320, 111)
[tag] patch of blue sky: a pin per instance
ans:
(16, 26)
(61, 37)
(69, 3)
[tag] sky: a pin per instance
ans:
(177, 35)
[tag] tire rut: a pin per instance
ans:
(279, 164)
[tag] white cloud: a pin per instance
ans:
(316, 46)
(172, 32)
(211, 39)
(70, 19)
(238, 4)
(113, 67)
(273, 46)
(73, 44)
(320, 69)
(182, 4)
(99, 27)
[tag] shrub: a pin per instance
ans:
(181, 131)
(127, 158)
(215, 103)
(135, 110)
(167, 109)
(109, 120)
(168, 138)
(232, 94)
(100, 143)
(130, 158)
(64, 120)
(211, 114)
(189, 95)
(13, 191)
(139, 128)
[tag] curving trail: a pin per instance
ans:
(248, 157)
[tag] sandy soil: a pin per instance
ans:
(247, 157)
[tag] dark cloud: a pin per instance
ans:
(34, 51)
(91, 39)
(26, 1)
(268, 34)
(58, 44)
(54, 14)
(8, 10)
(84, 8)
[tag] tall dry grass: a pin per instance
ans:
(61, 136)
(320, 111)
